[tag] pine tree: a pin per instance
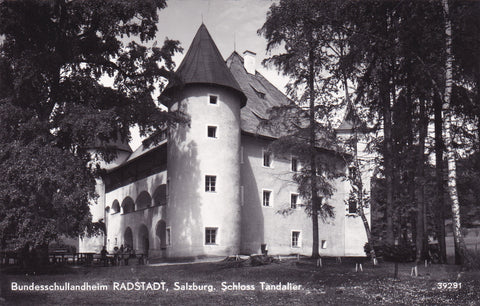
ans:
(294, 25)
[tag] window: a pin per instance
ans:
(211, 235)
(352, 172)
(293, 200)
(294, 164)
(296, 239)
(168, 236)
(128, 205)
(324, 244)
(168, 187)
(160, 195)
(210, 183)
(241, 154)
(144, 200)
(212, 131)
(213, 99)
(352, 206)
(242, 195)
(267, 198)
(267, 159)
(115, 207)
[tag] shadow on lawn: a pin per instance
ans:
(44, 270)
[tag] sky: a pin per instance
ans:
(233, 25)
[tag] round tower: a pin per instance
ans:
(203, 157)
(122, 150)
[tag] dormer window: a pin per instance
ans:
(267, 159)
(294, 164)
(259, 94)
(213, 99)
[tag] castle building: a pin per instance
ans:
(212, 188)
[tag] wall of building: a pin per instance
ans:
(142, 222)
(267, 225)
(97, 209)
(355, 235)
(235, 208)
(191, 156)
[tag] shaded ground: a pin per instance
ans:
(334, 283)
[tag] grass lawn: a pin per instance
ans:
(334, 283)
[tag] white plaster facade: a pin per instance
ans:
(159, 200)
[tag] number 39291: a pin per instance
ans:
(449, 285)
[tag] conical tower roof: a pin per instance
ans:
(349, 120)
(203, 64)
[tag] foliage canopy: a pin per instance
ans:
(54, 108)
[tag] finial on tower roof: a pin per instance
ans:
(234, 42)
(203, 64)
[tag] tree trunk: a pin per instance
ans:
(358, 182)
(460, 247)
(387, 127)
(421, 241)
(439, 206)
(313, 164)
(410, 167)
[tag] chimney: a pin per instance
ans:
(249, 61)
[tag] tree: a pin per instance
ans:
(460, 247)
(399, 56)
(293, 25)
(54, 109)
(358, 197)
(439, 176)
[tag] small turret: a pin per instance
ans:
(123, 151)
(350, 123)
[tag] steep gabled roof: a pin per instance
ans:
(116, 144)
(203, 64)
(347, 123)
(261, 96)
